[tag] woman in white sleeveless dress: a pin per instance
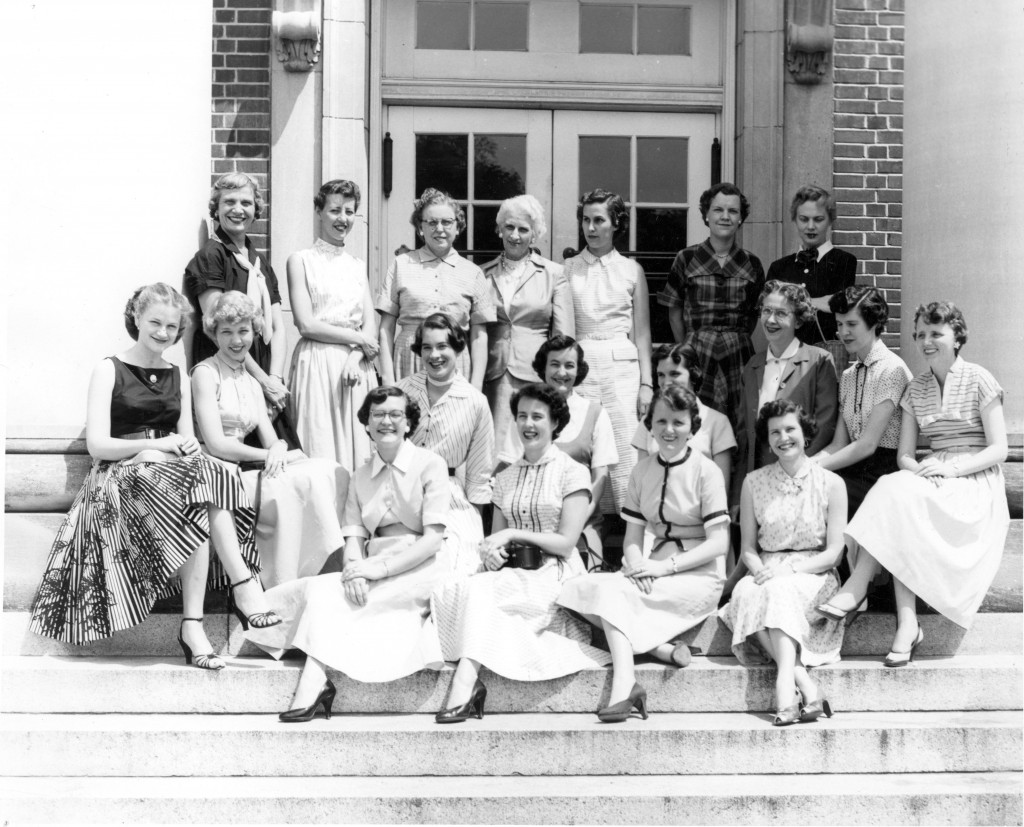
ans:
(332, 367)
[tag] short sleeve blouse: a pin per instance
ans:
(951, 417)
(881, 377)
(530, 494)
(419, 283)
(602, 293)
(676, 500)
(412, 490)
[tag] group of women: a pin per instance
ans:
(356, 491)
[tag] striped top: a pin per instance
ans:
(530, 494)
(458, 428)
(602, 294)
(881, 377)
(951, 416)
(419, 283)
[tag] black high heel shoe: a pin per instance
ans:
(617, 713)
(301, 716)
(474, 707)
(903, 658)
(258, 620)
(208, 661)
(814, 710)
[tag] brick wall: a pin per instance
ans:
(868, 141)
(240, 139)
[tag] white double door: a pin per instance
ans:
(659, 162)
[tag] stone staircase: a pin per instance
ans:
(123, 731)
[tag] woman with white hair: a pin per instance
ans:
(299, 500)
(533, 302)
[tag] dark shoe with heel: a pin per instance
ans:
(208, 661)
(325, 699)
(258, 620)
(895, 659)
(473, 708)
(617, 713)
(814, 710)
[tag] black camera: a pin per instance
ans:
(523, 556)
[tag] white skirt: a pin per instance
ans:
(388, 638)
(942, 538)
(300, 513)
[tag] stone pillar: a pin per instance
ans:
(760, 55)
(345, 122)
(963, 176)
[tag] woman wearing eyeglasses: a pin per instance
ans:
(789, 369)
(370, 621)
(433, 279)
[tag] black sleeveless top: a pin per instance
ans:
(144, 398)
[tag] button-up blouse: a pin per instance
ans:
(412, 490)
(882, 376)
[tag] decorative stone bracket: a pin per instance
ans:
(809, 38)
(297, 35)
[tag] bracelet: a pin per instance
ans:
(675, 562)
(647, 385)
(387, 568)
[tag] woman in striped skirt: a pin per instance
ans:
(609, 295)
(149, 502)
(455, 423)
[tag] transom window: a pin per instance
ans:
(634, 29)
(473, 25)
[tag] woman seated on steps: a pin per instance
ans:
(371, 620)
(938, 525)
(792, 516)
(299, 500)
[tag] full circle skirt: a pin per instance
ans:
(131, 527)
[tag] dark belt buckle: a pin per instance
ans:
(523, 556)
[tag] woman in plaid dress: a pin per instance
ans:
(712, 293)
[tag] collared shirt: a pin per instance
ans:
(951, 416)
(412, 490)
(602, 293)
(774, 368)
(713, 293)
(419, 283)
(530, 494)
(675, 500)
(458, 428)
(881, 377)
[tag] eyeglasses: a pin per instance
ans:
(434, 223)
(380, 416)
(781, 315)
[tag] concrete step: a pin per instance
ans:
(150, 685)
(871, 635)
(917, 798)
(557, 744)
(28, 537)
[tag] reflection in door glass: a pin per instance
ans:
(442, 162)
(486, 243)
(604, 162)
(499, 170)
(661, 170)
(660, 233)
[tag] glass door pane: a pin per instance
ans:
(659, 163)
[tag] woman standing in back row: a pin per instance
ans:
(609, 294)
(712, 293)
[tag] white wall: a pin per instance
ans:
(963, 214)
(107, 130)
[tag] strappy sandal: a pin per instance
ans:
(258, 620)
(209, 661)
